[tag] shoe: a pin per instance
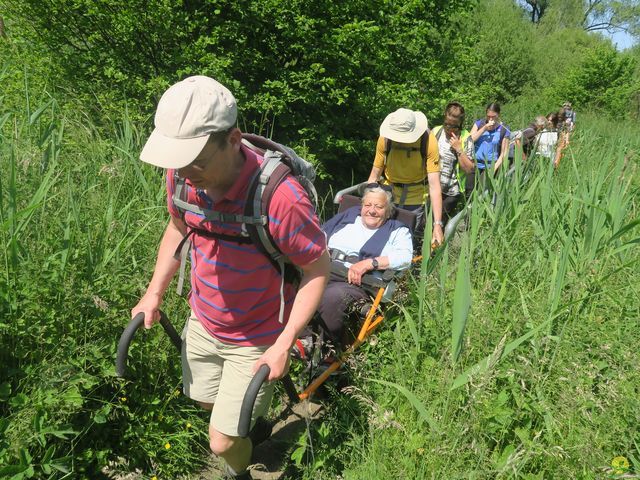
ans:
(261, 431)
(230, 475)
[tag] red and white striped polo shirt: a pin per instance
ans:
(235, 290)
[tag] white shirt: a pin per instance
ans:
(547, 141)
(351, 238)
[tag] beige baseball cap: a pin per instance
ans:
(404, 126)
(187, 113)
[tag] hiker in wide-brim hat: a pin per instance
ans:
(407, 158)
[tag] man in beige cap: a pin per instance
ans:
(407, 157)
(236, 292)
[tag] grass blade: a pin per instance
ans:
(423, 413)
(461, 305)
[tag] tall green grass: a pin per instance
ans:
(80, 220)
(513, 353)
(540, 379)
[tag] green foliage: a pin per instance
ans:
(545, 382)
(504, 62)
(589, 15)
(77, 216)
(544, 387)
(604, 81)
(295, 67)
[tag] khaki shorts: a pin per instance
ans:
(219, 373)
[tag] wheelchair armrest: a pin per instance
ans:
(368, 280)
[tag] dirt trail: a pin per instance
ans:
(270, 459)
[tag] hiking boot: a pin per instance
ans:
(230, 475)
(260, 432)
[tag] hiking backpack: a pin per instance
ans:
(424, 147)
(278, 162)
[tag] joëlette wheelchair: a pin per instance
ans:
(380, 287)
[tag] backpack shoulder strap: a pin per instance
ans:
(424, 144)
(179, 193)
(387, 148)
(263, 185)
(503, 132)
(272, 173)
(437, 131)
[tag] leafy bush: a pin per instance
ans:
(604, 81)
(294, 67)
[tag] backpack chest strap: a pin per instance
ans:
(213, 215)
(221, 217)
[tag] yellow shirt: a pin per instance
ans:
(407, 166)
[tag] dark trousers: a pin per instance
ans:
(476, 179)
(449, 206)
(336, 303)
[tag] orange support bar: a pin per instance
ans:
(335, 365)
(367, 329)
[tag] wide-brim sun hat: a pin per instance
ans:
(404, 126)
(188, 112)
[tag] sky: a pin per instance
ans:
(622, 40)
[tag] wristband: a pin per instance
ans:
(439, 222)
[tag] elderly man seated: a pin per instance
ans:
(366, 240)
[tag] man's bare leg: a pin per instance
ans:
(236, 451)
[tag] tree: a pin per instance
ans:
(591, 15)
(295, 66)
(538, 8)
(504, 63)
(604, 81)
(612, 16)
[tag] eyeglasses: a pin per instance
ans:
(386, 188)
(201, 164)
(448, 126)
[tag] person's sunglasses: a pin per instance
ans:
(448, 126)
(386, 188)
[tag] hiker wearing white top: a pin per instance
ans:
(456, 157)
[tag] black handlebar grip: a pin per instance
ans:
(127, 336)
(246, 410)
(170, 331)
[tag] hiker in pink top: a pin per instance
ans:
(236, 293)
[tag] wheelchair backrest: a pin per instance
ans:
(407, 217)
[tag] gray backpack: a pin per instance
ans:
(279, 162)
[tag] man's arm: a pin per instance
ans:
(314, 279)
(166, 267)
(374, 175)
(378, 162)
